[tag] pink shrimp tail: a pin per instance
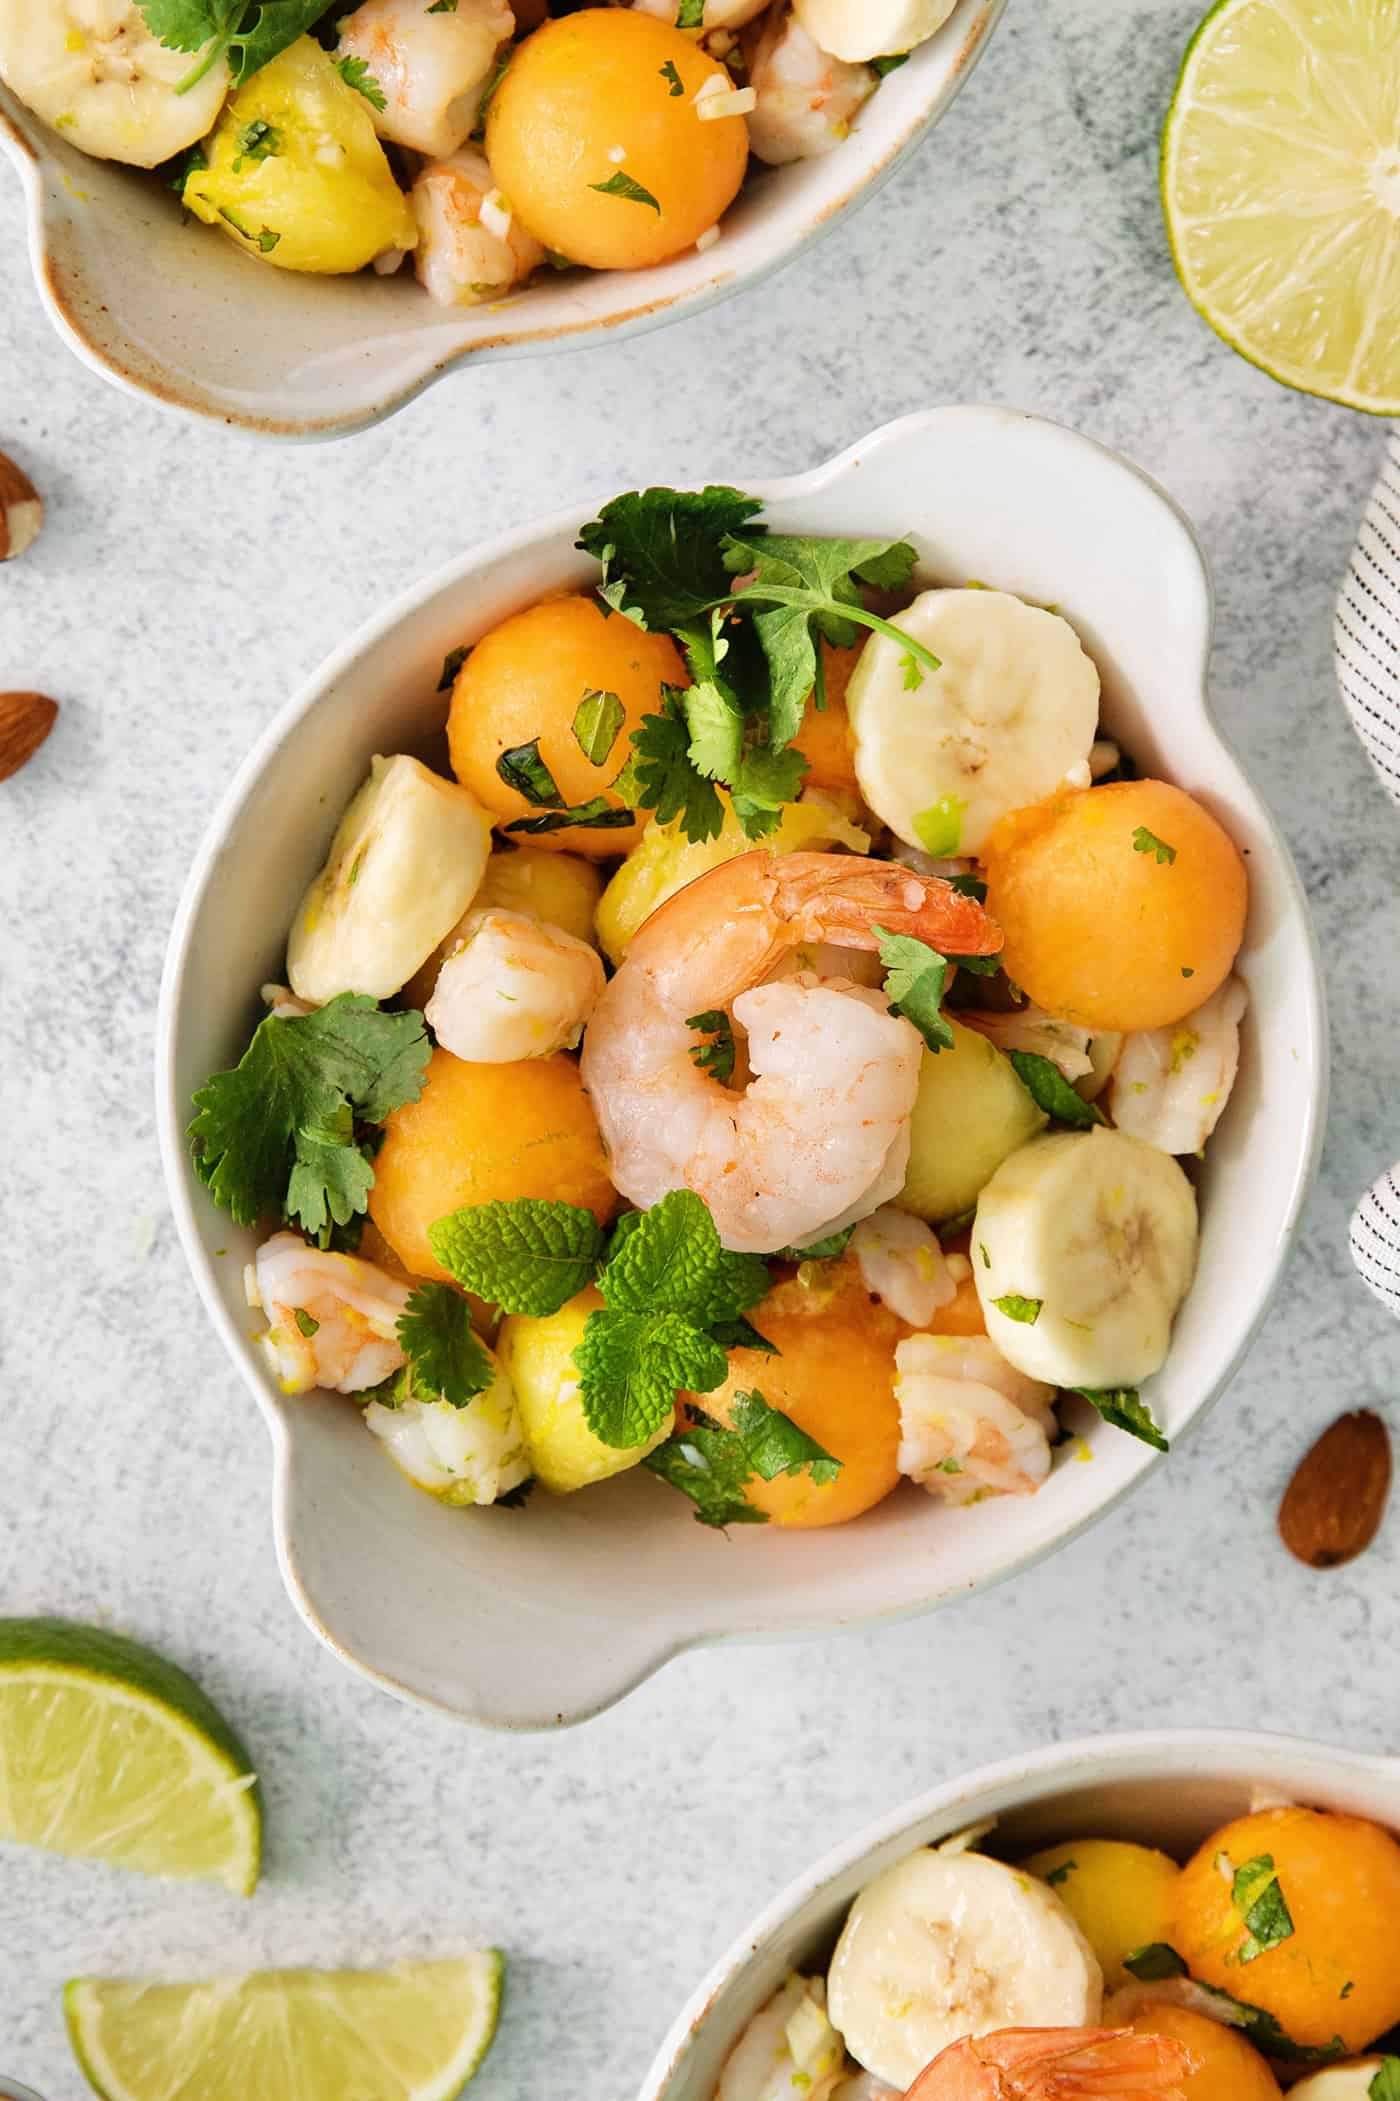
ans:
(1057, 2064)
(842, 898)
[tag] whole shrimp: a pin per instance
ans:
(820, 1136)
(807, 100)
(1057, 2064)
(430, 65)
(971, 1425)
(1170, 1086)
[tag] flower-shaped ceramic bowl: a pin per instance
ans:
(544, 1616)
(160, 305)
(1170, 1789)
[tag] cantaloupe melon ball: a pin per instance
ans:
(524, 683)
(825, 738)
(1227, 2067)
(595, 139)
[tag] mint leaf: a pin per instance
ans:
(1155, 1962)
(597, 720)
(1386, 2084)
(1124, 1407)
(356, 74)
(595, 815)
(1259, 1899)
(1067, 1867)
(916, 977)
(529, 1256)
(1051, 1091)
(717, 1056)
(451, 665)
(446, 1362)
(670, 1259)
(277, 1134)
(690, 14)
(774, 1445)
(663, 779)
(1261, 2028)
(522, 769)
(662, 552)
(1027, 1311)
(256, 141)
(741, 1334)
(712, 1464)
(1145, 842)
(631, 1367)
(624, 185)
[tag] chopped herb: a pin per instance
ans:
(522, 769)
(669, 73)
(1051, 1091)
(913, 671)
(969, 886)
(916, 976)
(690, 14)
(256, 141)
(247, 35)
(267, 240)
(739, 1333)
(1386, 2084)
(1017, 1308)
(940, 827)
(595, 815)
(1187, 973)
(1145, 842)
(1062, 1873)
(825, 1250)
(516, 1498)
(1155, 1962)
(949, 1466)
(451, 665)
(717, 1056)
(623, 185)
(356, 74)
(188, 164)
(1124, 1407)
(982, 1251)
(597, 720)
(1347, 1989)
(1258, 1897)
(307, 1322)
(502, 67)
(891, 64)
(443, 7)
(712, 1463)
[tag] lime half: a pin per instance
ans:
(1281, 184)
(108, 1751)
(413, 2033)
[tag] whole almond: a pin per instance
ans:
(25, 721)
(21, 510)
(1333, 1506)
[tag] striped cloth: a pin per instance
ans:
(1367, 637)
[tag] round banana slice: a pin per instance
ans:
(942, 755)
(404, 865)
(946, 1946)
(1352, 2082)
(93, 70)
(858, 29)
(1083, 1247)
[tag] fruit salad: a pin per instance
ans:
(769, 1048)
(1100, 1967)
(485, 141)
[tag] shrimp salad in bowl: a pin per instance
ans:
(1103, 1967)
(482, 140)
(768, 1046)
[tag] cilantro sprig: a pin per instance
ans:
(444, 1361)
(713, 1463)
(248, 33)
(282, 1131)
(916, 977)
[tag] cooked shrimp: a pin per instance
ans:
(282, 1003)
(1032, 1029)
(430, 65)
(1057, 2064)
(471, 247)
(1171, 1085)
(333, 1319)
(820, 1136)
(806, 99)
(971, 1425)
(460, 1455)
(902, 1262)
(788, 2051)
(513, 988)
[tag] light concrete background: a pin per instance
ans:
(186, 582)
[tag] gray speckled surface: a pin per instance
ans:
(185, 583)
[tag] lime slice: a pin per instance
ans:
(1281, 184)
(108, 1751)
(413, 2033)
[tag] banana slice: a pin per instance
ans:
(403, 867)
(941, 755)
(1083, 1247)
(93, 70)
(946, 1946)
(1353, 2082)
(859, 29)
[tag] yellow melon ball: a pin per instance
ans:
(595, 137)
(1227, 2067)
(482, 1134)
(523, 684)
(1122, 906)
(1119, 1895)
(538, 1356)
(1337, 1972)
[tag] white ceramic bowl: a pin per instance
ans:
(526, 1619)
(1170, 1790)
(165, 308)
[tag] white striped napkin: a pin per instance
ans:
(1367, 637)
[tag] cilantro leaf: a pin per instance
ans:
(670, 72)
(716, 726)
(631, 1367)
(1145, 842)
(1154, 1962)
(623, 185)
(1258, 1897)
(1386, 2084)
(277, 1133)
(712, 1464)
(445, 1359)
(595, 815)
(762, 784)
(451, 665)
(670, 1259)
(1027, 1311)
(356, 74)
(916, 977)
(250, 31)
(188, 25)
(1262, 2028)
(1124, 1407)
(717, 1056)
(1051, 1091)
(522, 769)
(662, 552)
(661, 777)
(597, 720)
(529, 1256)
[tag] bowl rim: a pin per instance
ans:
(171, 1113)
(23, 141)
(1147, 1754)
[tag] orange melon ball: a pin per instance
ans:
(589, 113)
(835, 1379)
(825, 737)
(963, 1314)
(1338, 1972)
(1227, 2067)
(1123, 906)
(482, 1134)
(525, 680)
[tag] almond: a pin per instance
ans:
(1333, 1506)
(21, 510)
(25, 721)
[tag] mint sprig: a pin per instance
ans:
(530, 1256)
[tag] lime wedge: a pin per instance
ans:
(110, 1752)
(413, 2033)
(1281, 184)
